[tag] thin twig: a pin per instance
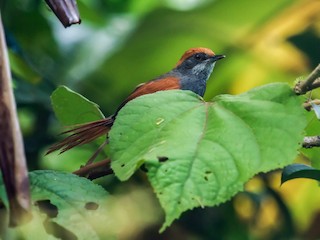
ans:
(95, 170)
(311, 141)
(312, 82)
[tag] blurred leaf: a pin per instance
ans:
(299, 171)
(72, 108)
(3, 193)
(32, 229)
(226, 27)
(71, 195)
(22, 69)
(201, 153)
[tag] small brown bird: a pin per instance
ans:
(190, 73)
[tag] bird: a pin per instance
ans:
(190, 73)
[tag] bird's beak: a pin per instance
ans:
(217, 57)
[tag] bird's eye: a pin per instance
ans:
(198, 56)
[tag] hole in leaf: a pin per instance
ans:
(163, 159)
(205, 178)
(91, 206)
(48, 208)
(53, 228)
(159, 121)
(122, 165)
(58, 231)
(207, 172)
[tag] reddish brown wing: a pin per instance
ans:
(168, 83)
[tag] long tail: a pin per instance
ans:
(82, 134)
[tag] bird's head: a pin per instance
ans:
(198, 62)
(194, 69)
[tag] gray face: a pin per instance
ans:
(205, 67)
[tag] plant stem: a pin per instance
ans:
(95, 170)
(312, 82)
(12, 157)
(311, 141)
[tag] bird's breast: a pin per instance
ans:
(194, 84)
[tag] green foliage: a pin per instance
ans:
(120, 44)
(71, 195)
(201, 153)
(299, 171)
(66, 201)
(20, 68)
(72, 108)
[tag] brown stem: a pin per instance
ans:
(12, 157)
(312, 82)
(95, 170)
(311, 141)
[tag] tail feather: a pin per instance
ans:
(82, 134)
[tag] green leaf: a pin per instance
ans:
(201, 153)
(299, 171)
(33, 229)
(21, 69)
(71, 195)
(72, 108)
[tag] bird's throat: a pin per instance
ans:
(197, 80)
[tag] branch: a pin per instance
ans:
(12, 157)
(95, 170)
(308, 105)
(311, 141)
(312, 82)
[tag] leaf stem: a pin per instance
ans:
(95, 170)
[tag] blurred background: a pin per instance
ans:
(120, 44)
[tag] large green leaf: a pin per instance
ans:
(201, 153)
(72, 108)
(74, 198)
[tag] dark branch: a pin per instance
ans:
(312, 82)
(311, 141)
